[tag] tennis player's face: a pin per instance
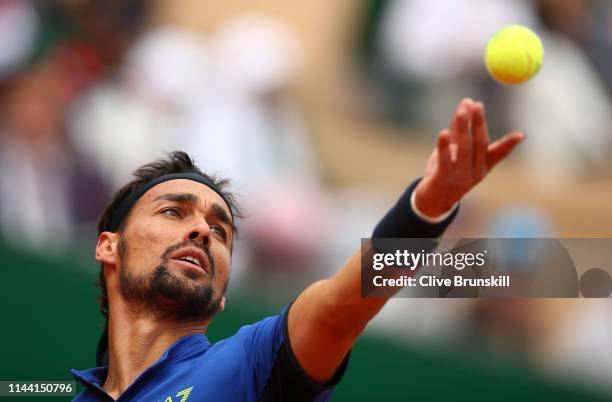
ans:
(175, 251)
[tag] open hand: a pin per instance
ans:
(461, 159)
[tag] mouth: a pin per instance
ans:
(192, 258)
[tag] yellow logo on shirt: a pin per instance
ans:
(184, 394)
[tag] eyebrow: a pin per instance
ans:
(190, 198)
(178, 197)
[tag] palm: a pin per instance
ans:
(463, 155)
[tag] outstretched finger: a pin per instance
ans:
(480, 138)
(502, 147)
(460, 133)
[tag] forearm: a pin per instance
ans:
(335, 306)
(332, 311)
(338, 300)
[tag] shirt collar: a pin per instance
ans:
(186, 347)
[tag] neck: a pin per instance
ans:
(136, 341)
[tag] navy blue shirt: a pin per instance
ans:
(256, 364)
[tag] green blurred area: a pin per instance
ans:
(51, 323)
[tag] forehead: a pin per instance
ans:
(206, 195)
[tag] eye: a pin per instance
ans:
(171, 212)
(219, 230)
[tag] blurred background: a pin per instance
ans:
(321, 113)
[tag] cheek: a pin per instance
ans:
(222, 262)
(152, 236)
(145, 249)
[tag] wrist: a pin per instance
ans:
(431, 201)
(403, 220)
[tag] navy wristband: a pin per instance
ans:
(401, 221)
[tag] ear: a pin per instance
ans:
(222, 304)
(106, 249)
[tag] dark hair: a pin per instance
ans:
(176, 162)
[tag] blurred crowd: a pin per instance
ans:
(53, 53)
(90, 90)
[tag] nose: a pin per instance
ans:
(200, 231)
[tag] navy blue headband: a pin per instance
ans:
(126, 205)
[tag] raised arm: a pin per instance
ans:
(328, 316)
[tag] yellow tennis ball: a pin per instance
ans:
(514, 54)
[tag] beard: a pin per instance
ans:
(167, 295)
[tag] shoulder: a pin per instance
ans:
(263, 337)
